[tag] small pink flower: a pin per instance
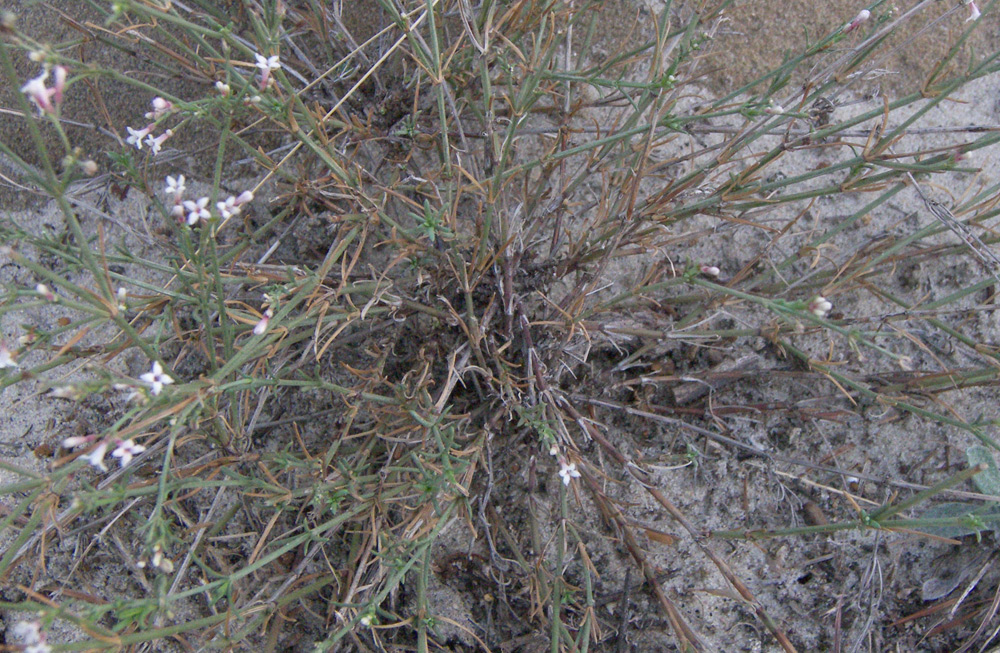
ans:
(156, 378)
(197, 210)
(75, 441)
(232, 204)
(136, 135)
(161, 107)
(32, 637)
(96, 457)
(223, 88)
(39, 94)
(709, 270)
(862, 16)
(126, 450)
(6, 357)
(57, 90)
(975, 13)
(266, 65)
(44, 291)
(261, 326)
(156, 143)
(820, 306)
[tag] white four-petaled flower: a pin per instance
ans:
(126, 450)
(156, 378)
(175, 186)
(266, 65)
(155, 143)
(568, 471)
(197, 210)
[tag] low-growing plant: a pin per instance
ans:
(455, 299)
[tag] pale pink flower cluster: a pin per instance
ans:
(144, 136)
(862, 16)
(94, 457)
(266, 65)
(31, 636)
(175, 191)
(820, 306)
(193, 211)
(154, 381)
(158, 560)
(46, 99)
(136, 137)
(125, 450)
(232, 205)
(161, 107)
